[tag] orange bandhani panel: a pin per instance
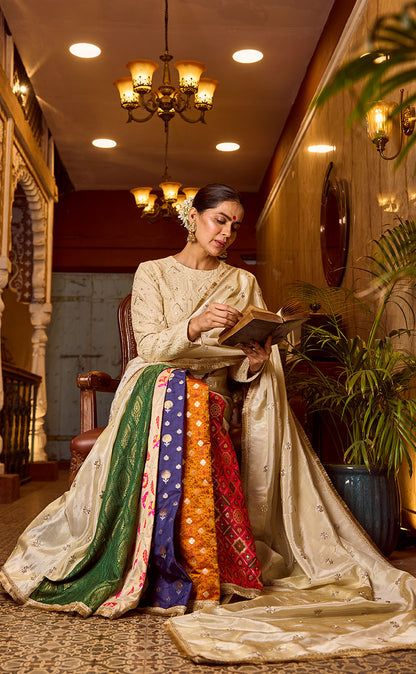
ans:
(197, 535)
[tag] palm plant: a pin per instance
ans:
(373, 374)
(388, 64)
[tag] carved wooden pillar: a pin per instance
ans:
(40, 315)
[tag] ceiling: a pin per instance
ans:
(250, 106)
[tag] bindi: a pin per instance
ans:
(234, 218)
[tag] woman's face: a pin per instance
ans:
(216, 228)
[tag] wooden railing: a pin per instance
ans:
(17, 419)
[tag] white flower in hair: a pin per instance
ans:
(183, 211)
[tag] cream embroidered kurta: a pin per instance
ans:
(328, 591)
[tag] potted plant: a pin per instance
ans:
(366, 391)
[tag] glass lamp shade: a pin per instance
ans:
(142, 196)
(378, 123)
(141, 74)
(170, 190)
(189, 74)
(129, 99)
(205, 93)
(179, 201)
(190, 191)
(150, 208)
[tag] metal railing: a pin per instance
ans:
(17, 419)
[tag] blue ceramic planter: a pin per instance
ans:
(373, 500)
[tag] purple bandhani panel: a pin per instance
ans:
(168, 583)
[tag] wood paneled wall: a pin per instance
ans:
(288, 237)
(102, 231)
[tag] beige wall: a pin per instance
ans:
(289, 235)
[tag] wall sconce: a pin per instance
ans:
(21, 91)
(380, 124)
(388, 202)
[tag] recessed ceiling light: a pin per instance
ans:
(85, 50)
(104, 142)
(248, 56)
(321, 149)
(227, 147)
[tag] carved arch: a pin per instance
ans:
(38, 213)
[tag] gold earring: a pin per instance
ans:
(191, 238)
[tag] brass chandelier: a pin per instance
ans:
(166, 205)
(190, 101)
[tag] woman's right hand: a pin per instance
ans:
(214, 316)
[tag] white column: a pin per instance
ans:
(40, 315)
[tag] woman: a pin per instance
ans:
(156, 518)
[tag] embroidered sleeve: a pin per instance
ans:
(156, 341)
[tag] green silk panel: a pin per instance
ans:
(97, 575)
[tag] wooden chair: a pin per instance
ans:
(96, 381)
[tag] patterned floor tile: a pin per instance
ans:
(41, 642)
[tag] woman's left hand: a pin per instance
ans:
(257, 354)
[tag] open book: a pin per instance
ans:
(258, 324)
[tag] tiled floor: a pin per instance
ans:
(42, 642)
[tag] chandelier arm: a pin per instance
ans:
(132, 118)
(201, 117)
(151, 217)
(151, 104)
(179, 102)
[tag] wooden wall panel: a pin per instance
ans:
(103, 231)
(289, 236)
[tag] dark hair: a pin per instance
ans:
(213, 194)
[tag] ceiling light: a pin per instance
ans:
(166, 205)
(248, 56)
(85, 50)
(321, 149)
(190, 101)
(227, 147)
(104, 142)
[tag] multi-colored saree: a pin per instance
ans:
(172, 529)
(141, 528)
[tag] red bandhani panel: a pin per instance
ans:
(237, 559)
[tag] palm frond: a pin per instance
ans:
(394, 256)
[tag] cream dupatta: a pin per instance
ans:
(328, 591)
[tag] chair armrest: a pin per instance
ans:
(98, 381)
(89, 384)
